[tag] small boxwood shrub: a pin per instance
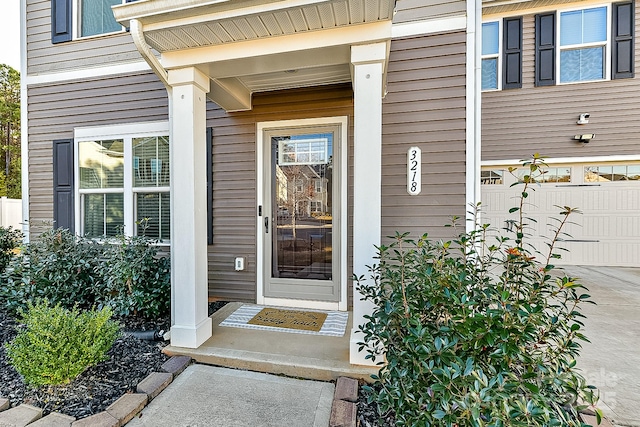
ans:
(57, 344)
(476, 331)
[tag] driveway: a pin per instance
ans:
(611, 361)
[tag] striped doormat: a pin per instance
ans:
(295, 320)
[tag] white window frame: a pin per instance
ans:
(497, 56)
(607, 44)
(77, 23)
(127, 133)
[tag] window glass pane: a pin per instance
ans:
(619, 173)
(152, 215)
(582, 64)
(594, 28)
(633, 172)
(489, 74)
(101, 164)
(97, 17)
(491, 177)
(490, 38)
(103, 214)
(571, 28)
(150, 163)
(583, 26)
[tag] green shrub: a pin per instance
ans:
(10, 239)
(475, 331)
(57, 265)
(135, 279)
(57, 344)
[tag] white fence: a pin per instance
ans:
(11, 213)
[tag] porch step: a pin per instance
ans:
(295, 355)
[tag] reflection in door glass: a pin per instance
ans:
(302, 171)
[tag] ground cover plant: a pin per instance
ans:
(56, 344)
(476, 331)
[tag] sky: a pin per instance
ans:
(10, 31)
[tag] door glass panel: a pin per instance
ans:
(301, 177)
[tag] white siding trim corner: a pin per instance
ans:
(473, 109)
(24, 124)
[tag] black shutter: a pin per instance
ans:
(546, 49)
(622, 56)
(512, 56)
(61, 28)
(63, 210)
(209, 187)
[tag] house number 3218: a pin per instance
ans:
(414, 171)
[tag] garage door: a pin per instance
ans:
(608, 194)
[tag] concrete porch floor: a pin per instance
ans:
(294, 355)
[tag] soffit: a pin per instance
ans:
(248, 46)
(176, 25)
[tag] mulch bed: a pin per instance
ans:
(129, 361)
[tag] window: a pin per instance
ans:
(319, 186)
(123, 181)
(82, 18)
(602, 173)
(583, 44)
(502, 54)
(96, 17)
(492, 177)
(490, 55)
(548, 175)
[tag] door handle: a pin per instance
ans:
(266, 224)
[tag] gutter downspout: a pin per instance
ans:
(24, 125)
(137, 33)
(473, 108)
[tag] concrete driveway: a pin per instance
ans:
(611, 361)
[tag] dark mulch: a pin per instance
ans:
(368, 415)
(129, 361)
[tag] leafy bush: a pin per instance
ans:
(58, 266)
(9, 241)
(475, 331)
(58, 344)
(135, 280)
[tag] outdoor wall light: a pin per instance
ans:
(583, 119)
(585, 138)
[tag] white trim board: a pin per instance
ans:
(86, 73)
(429, 26)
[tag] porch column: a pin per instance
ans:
(368, 67)
(191, 324)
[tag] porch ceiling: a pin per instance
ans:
(247, 46)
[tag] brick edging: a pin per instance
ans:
(129, 405)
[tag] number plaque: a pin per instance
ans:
(414, 171)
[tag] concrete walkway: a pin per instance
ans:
(210, 396)
(611, 361)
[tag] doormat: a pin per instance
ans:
(298, 321)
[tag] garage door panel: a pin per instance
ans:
(606, 233)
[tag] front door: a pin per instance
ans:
(301, 213)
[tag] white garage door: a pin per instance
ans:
(608, 195)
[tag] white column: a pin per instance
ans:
(192, 325)
(368, 63)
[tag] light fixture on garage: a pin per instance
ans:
(583, 119)
(585, 138)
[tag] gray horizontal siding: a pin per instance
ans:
(44, 57)
(416, 10)
(519, 122)
(55, 110)
(424, 107)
